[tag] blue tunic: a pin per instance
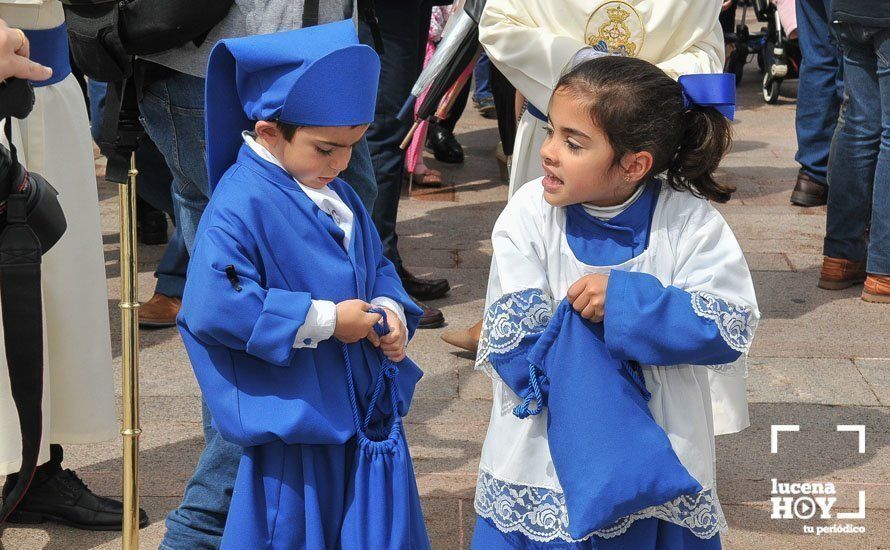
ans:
(263, 252)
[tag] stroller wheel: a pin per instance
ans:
(771, 88)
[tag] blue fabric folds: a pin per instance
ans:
(382, 503)
(611, 457)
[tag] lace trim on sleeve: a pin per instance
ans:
(507, 321)
(736, 323)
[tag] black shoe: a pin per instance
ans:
(151, 227)
(423, 289)
(432, 317)
(444, 145)
(61, 497)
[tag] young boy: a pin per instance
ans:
(286, 265)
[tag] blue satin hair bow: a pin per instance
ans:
(710, 90)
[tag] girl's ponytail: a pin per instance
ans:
(706, 137)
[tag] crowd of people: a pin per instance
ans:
(274, 148)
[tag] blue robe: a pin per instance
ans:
(263, 252)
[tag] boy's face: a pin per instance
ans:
(316, 154)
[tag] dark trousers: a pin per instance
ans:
(404, 25)
(505, 105)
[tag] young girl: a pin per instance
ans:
(595, 230)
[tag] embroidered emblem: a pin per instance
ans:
(615, 28)
(733, 321)
(541, 515)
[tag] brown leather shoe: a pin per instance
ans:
(809, 192)
(431, 318)
(838, 273)
(877, 289)
(159, 312)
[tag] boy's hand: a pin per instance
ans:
(393, 344)
(588, 296)
(354, 321)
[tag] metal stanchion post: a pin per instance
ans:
(121, 134)
(129, 306)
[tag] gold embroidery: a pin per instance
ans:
(615, 28)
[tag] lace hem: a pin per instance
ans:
(734, 322)
(508, 321)
(540, 513)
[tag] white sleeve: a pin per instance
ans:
(321, 319)
(710, 264)
(518, 262)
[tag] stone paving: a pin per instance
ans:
(819, 359)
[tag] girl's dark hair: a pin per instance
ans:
(640, 108)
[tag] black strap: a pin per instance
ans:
(368, 14)
(121, 129)
(310, 13)
(22, 334)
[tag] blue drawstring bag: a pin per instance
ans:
(611, 457)
(382, 503)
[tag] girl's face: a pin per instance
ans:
(579, 162)
(316, 154)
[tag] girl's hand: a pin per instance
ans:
(393, 344)
(588, 296)
(354, 321)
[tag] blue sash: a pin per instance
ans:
(537, 113)
(49, 47)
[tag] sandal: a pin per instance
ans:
(426, 178)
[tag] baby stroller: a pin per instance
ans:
(777, 57)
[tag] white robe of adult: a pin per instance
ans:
(54, 141)
(532, 43)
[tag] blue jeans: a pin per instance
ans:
(481, 73)
(173, 114)
(820, 88)
(860, 157)
(154, 187)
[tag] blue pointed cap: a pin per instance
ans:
(317, 76)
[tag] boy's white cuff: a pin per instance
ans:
(321, 319)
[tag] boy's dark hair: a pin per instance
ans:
(640, 108)
(287, 130)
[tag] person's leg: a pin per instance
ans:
(96, 96)
(200, 519)
(399, 26)
(481, 78)
(879, 243)
(172, 110)
(855, 151)
(403, 27)
(819, 94)
(457, 110)
(360, 175)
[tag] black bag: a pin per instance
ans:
(106, 34)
